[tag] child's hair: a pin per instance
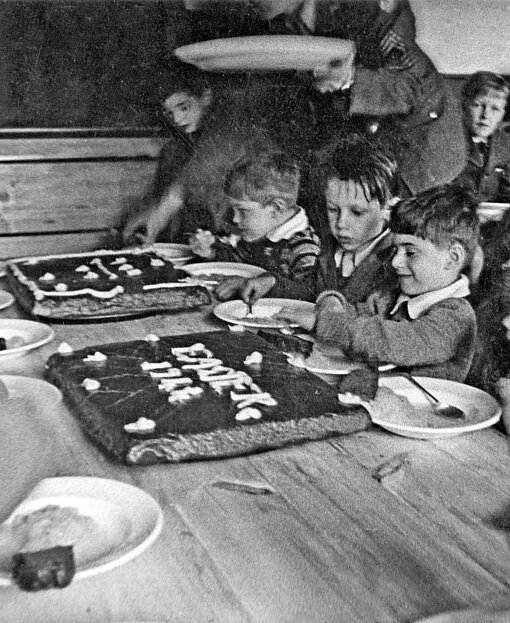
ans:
(442, 215)
(481, 82)
(264, 176)
(362, 160)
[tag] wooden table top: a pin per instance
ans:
(332, 543)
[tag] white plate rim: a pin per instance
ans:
(8, 298)
(245, 270)
(99, 489)
(16, 382)
(384, 367)
(25, 326)
(442, 431)
(221, 311)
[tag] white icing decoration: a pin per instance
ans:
(47, 277)
(142, 425)
(262, 399)
(31, 261)
(95, 358)
(82, 269)
(157, 263)
(65, 349)
(126, 267)
(134, 272)
(147, 365)
(151, 337)
(103, 268)
(91, 276)
(253, 359)
(186, 393)
(296, 359)
(169, 385)
(117, 261)
(236, 328)
(91, 384)
(170, 373)
(205, 364)
(249, 413)
(61, 287)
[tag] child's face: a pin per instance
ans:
(353, 219)
(485, 112)
(421, 266)
(186, 111)
(253, 219)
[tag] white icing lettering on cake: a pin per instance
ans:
(205, 364)
(47, 277)
(151, 337)
(157, 263)
(248, 413)
(65, 349)
(147, 365)
(142, 425)
(186, 393)
(98, 294)
(168, 385)
(134, 272)
(82, 269)
(254, 358)
(118, 260)
(126, 267)
(91, 384)
(97, 357)
(261, 399)
(182, 350)
(61, 287)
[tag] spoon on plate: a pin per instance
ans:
(441, 408)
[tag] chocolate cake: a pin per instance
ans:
(196, 396)
(102, 284)
(49, 568)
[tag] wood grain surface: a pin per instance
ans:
(364, 528)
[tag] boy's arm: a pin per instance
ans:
(432, 338)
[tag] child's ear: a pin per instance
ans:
(279, 205)
(457, 255)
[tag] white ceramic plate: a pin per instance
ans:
(266, 53)
(126, 521)
(474, 615)
(6, 299)
(3, 271)
(32, 334)
(36, 392)
(481, 409)
(492, 211)
(226, 269)
(264, 312)
(177, 253)
(320, 363)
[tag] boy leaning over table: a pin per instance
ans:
(427, 326)
(356, 189)
(273, 232)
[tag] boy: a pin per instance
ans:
(357, 184)
(428, 327)
(273, 231)
(487, 171)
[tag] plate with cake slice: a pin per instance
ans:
(263, 314)
(17, 337)
(82, 525)
(402, 408)
(178, 254)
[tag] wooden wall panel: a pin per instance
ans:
(19, 246)
(69, 196)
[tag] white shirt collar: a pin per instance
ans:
(417, 305)
(295, 224)
(363, 252)
(479, 139)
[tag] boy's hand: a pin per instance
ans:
(201, 243)
(303, 318)
(256, 287)
(229, 287)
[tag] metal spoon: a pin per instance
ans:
(441, 408)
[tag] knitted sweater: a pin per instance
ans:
(290, 251)
(439, 343)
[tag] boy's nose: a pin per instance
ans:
(397, 259)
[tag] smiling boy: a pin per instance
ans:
(428, 327)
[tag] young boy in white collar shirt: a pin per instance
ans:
(273, 232)
(428, 326)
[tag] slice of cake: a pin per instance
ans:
(102, 284)
(197, 396)
(49, 568)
